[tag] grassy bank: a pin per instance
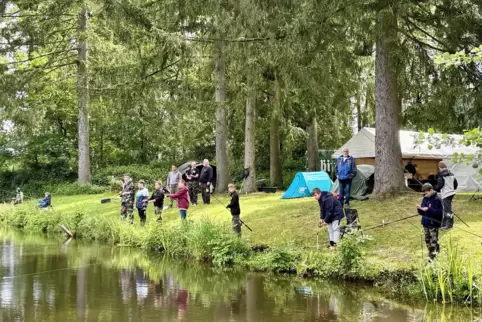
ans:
(394, 256)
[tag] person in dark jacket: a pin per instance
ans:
(447, 185)
(431, 211)
(158, 199)
(206, 178)
(234, 208)
(192, 179)
(331, 214)
(345, 172)
(182, 197)
(142, 200)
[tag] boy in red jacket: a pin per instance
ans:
(182, 197)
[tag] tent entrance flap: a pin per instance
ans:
(305, 182)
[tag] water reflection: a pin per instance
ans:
(41, 281)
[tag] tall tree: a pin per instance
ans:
(250, 139)
(83, 98)
(275, 175)
(312, 145)
(222, 170)
(388, 172)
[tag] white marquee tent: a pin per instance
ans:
(362, 145)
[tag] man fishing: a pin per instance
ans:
(331, 213)
(431, 211)
(127, 199)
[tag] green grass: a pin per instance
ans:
(289, 227)
(293, 223)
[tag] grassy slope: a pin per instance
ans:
(294, 222)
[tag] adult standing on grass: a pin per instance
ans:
(182, 197)
(235, 209)
(431, 211)
(206, 178)
(142, 200)
(345, 171)
(192, 176)
(446, 185)
(331, 213)
(127, 198)
(173, 178)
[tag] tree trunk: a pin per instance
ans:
(83, 100)
(276, 178)
(222, 171)
(249, 141)
(312, 146)
(389, 178)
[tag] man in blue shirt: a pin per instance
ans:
(345, 172)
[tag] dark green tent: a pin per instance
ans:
(362, 185)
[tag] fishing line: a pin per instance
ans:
(242, 222)
(49, 271)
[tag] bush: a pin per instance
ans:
(149, 173)
(278, 260)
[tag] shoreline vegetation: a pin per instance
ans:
(283, 240)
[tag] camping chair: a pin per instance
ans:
(352, 222)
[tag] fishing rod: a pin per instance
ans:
(412, 216)
(242, 222)
(383, 224)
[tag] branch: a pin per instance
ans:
(37, 15)
(33, 58)
(239, 40)
(164, 68)
(418, 41)
(447, 48)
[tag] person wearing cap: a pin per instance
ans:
(431, 211)
(142, 199)
(127, 199)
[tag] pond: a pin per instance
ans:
(45, 280)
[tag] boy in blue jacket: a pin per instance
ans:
(331, 213)
(431, 211)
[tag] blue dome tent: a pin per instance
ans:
(305, 182)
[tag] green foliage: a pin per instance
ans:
(460, 57)
(278, 260)
(451, 278)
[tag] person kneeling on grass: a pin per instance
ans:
(142, 199)
(182, 197)
(331, 213)
(431, 211)
(158, 199)
(234, 208)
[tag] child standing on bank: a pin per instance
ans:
(330, 214)
(158, 199)
(235, 209)
(182, 197)
(431, 211)
(142, 199)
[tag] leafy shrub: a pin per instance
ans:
(149, 173)
(350, 255)
(278, 260)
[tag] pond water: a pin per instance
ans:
(43, 280)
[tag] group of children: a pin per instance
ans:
(142, 200)
(435, 209)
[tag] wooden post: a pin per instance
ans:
(66, 231)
